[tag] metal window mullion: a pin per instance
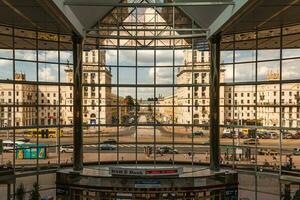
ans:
(37, 103)
(59, 105)
(233, 100)
(173, 89)
(14, 114)
(256, 104)
(136, 99)
(154, 104)
(193, 88)
(99, 104)
(280, 105)
(118, 99)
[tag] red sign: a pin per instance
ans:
(115, 171)
(161, 172)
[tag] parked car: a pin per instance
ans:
(166, 149)
(296, 136)
(227, 135)
(106, 146)
(197, 134)
(206, 142)
(261, 134)
(251, 141)
(269, 135)
(267, 152)
(226, 131)
(110, 141)
(66, 149)
(296, 151)
(287, 135)
(231, 134)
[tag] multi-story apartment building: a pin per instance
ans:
(25, 99)
(95, 98)
(242, 105)
(53, 100)
(192, 103)
(243, 102)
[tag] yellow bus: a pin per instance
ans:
(249, 132)
(43, 132)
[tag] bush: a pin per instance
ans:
(34, 194)
(20, 193)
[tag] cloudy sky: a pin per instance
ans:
(144, 59)
(26, 63)
(244, 71)
(245, 64)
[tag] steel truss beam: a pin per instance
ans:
(147, 37)
(208, 3)
(148, 29)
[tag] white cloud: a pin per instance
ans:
(49, 56)
(144, 57)
(25, 54)
(5, 63)
(48, 73)
(163, 75)
(66, 56)
(291, 69)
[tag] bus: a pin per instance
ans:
(31, 151)
(43, 133)
(8, 145)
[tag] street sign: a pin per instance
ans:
(147, 184)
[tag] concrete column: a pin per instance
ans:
(287, 192)
(214, 136)
(8, 191)
(77, 102)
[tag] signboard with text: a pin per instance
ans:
(125, 171)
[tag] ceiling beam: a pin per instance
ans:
(65, 15)
(133, 37)
(230, 15)
(18, 12)
(86, 3)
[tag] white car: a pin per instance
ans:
(226, 131)
(66, 149)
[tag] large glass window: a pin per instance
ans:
(259, 112)
(36, 99)
(156, 87)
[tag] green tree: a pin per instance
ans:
(20, 193)
(149, 108)
(34, 194)
(129, 102)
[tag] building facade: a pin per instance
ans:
(54, 99)
(254, 105)
(191, 103)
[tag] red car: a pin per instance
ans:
(296, 136)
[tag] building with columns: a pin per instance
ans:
(54, 100)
